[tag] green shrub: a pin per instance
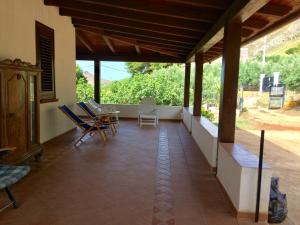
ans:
(207, 114)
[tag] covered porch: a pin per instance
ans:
(141, 176)
(187, 171)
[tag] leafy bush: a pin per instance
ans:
(84, 91)
(208, 114)
(165, 84)
(295, 50)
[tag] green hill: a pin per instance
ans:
(278, 42)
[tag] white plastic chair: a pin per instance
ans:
(148, 112)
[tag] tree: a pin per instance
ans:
(79, 74)
(211, 83)
(165, 84)
(295, 50)
(84, 91)
(249, 74)
(136, 68)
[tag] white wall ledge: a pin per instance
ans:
(242, 156)
(211, 128)
(238, 174)
(132, 111)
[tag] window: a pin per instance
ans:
(45, 58)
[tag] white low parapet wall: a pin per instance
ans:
(205, 134)
(187, 116)
(237, 167)
(164, 112)
(237, 173)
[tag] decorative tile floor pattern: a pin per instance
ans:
(119, 183)
(163, 201)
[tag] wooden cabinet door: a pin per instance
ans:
(16, 113)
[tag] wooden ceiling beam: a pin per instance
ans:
(275, 9)
(136, 16)
(239, 8)
(214, 51)
(255, 22)
(145, 46)
(131, 24)
(213, 4)
(109, 44)
(150, 8)
(246, 32)
(137, 49)
(275, 26)
(148, 41)
(84, 40)
(146, 37)
(148, 47)
(129, 58)
(134, 31)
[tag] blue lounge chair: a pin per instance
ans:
(104, 119)
(9, 175)
(87, 127)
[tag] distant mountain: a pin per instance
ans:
(278, 42)
(90, 78)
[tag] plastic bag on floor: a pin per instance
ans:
(278, 203)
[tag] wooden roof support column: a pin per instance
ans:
(187, 76)
(229, 80)
(199, 60)
(97, 78)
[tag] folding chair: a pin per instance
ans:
(103, 118)
(9, 175)
(86, 127)
(102, 109)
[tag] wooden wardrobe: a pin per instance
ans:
(19, 109)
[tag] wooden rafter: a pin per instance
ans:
(255, 22)
(148, 41)
(246, 32)
(125, 23)
(130, 58)
(109, 44)
(292, 17)
(275, 9)
(213, 4)
(187, 13)
(134, 43)
(148, 47)
(83, 39)
(134, 31)
(242, 8)
(137, 49)
(87, 8)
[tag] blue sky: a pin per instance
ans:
(109, 70)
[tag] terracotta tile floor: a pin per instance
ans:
(142, 176)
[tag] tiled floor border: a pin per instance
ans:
(163, 209)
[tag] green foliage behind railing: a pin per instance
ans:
(164, 84)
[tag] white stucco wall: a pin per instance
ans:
(187, 118)
(17, 40)
(205, 134)
(237, 172)
(132, 111)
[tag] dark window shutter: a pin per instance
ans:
(46, 63)
(45, 58)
